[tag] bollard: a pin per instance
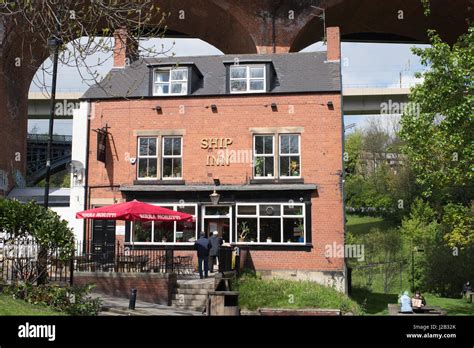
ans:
(133, 299)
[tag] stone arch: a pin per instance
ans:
(382, 21)
(223, 30)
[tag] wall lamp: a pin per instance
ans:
(217, 182)
(214, 197)
(274, 107)
(330, 105)
(214, 108)
(158, 109)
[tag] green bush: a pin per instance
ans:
(74, 300)
(256, 293)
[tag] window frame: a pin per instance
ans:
(255, 155)
(282, 216)
(147, 156)
(280, 155)
(163, 156)
(174, 206)
(248, 79)
(170, 81)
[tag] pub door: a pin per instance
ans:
(103, 241)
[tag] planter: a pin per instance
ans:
(269, 240)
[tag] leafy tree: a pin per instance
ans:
(439, 132)
(353, 152)
(47, 229)
(458, 225)
(420, 231)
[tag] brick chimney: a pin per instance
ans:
(124, 49)
(333, 44)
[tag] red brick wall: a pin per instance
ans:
(151, 287)
(321, 154)
(334, 43)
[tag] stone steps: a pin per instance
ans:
(192, 294)
(191, 291)
(182, 297)
(199, 309)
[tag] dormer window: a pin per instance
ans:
(247, 78)
(171, 81)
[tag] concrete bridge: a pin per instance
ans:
(243, 26)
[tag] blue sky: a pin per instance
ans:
(363, 65)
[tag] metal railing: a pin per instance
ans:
(41, 138)
(20, 262)
(120, 257)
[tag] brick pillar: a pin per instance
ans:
(125, 50)
(13, 128)
(333, 44)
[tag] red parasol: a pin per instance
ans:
(133, 211)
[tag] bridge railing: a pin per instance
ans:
(41, 138)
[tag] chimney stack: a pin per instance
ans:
(333, 37)
(125, 50)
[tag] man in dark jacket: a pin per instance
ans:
(202, 246)
(216, 243)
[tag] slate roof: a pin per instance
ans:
(295, 73)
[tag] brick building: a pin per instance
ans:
(251, 145)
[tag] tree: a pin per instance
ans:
(439, 132)
(48, 231)
(421, 231)
(458, 225)
(353, 147)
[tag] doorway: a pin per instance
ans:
(217, 218)
(103, 241)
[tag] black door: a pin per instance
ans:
(103, 241)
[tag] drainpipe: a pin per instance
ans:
(86, 183)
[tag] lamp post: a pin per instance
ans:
(53, 44)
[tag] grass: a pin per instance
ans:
(256, 293)
(11, 306)
(375, 303)
(373, 300)
(357, 224)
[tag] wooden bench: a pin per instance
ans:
(394, 309)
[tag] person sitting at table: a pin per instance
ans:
(405, 303)
(418, 302)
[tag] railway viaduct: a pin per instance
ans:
(233, 26)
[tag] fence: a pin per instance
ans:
(120, 257)
(19, 262)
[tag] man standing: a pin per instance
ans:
(216, 243)
(202, 245)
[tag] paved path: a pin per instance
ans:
(117, 306)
